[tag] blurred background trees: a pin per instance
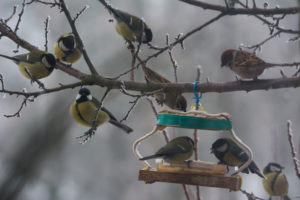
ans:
(40, 157)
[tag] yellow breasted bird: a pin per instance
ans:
(65, 49)
(176, 151)
(174, 100)
(84, 110)
(39, 64)
(231, 154)
(275, 183)
(130, 27)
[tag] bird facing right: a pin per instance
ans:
(231, 154)
(275, 183)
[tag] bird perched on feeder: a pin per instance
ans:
(84, 110)
(174, 100)
(177, 151)
(130, 27)
(65, 48)
(243, 63)
(35, 64)
(275, 183)
(231, 154)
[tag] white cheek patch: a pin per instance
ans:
(45, 62)
(90, 97)
(78, 96)
(62, 46)
(222, 148)
(274, 168)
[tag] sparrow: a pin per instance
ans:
(243, 63)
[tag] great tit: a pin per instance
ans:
(275, 183)
(130, 27)
(177, 151)
(174, 100)
(65, 49)
(39, 64)
(243, 63)
(84, 110)
(231, 154)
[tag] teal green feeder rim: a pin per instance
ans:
(183, 121)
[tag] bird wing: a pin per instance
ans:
(172, 148)
(237, 151)
(133, 22)
(252, 60)
(24, 58)
(111, 116)
(153, 76)
(97, 104)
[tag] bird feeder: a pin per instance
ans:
(195, 172)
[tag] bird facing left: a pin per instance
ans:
(86, 111)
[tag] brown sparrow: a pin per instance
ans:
(174, 100)
(243, 63)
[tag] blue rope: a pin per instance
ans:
(197, 97)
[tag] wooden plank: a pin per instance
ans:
(230, 182)
(195, 167)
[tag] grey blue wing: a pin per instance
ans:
(113, 120)
(23, 58)
(171, 149)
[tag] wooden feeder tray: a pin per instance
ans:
(197, 172)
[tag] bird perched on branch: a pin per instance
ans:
(177, 151)
(174, 100)
(65, 48)
(231, 154)
(130, 27)
(243, 63)
(275, 183)
(85, 111)
(35, 64)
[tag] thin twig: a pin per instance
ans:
(18, 23)
(251, 196)
(79, 42)
(12, 14)
(80, 12)
(293, 151)
(173, 61)
(46, 32)
(91, 132)
(259, 45)
(23, 104)
(55, 3)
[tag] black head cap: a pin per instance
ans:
(68, 41)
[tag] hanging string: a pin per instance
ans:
(197, 96)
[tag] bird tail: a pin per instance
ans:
(125, 128)
(110, 8)
(150, 157)
(10, 58)
(254, 169)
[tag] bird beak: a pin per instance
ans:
(212, 150)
